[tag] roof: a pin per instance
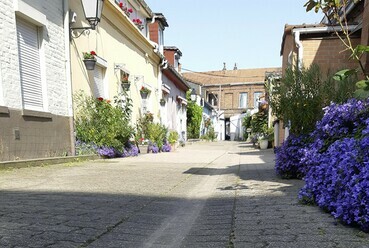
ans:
(161, 18)
(173, 48)
(176, 78)
(146, 7)
(256, 75)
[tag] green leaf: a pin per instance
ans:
(360, 49)
(361, 94)
(310, 5)
(363, 84)
(343, 74)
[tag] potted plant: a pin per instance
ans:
(125, 83)
(144, 91)
(162, 102)
(265, 136)
(138, 23)
(173, 138)
(89, 60)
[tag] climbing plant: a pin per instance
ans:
(194, 118)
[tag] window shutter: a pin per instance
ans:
(29, 65)
(99, 82)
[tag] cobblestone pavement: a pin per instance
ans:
(221, 194)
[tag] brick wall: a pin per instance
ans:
(54, 54)
(154, 32)
(365, 34)
(329, 54)
(230, 96)
(170, 56)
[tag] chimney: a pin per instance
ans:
(235, 66)
(154, 31)
(224, 66)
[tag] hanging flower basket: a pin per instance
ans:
(126, 85)
(89, 60)
(90, 64)
(144, 92)
(162, 102)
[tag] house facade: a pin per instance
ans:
(35, 91)
(231, 93)
(303, 45)
(173, 102)
(123, 50)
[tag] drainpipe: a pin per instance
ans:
(68, 74)
(300, 52)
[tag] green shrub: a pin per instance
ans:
(173, 137)
(101, 122)
(157, 133)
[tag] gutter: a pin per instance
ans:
(313, 30)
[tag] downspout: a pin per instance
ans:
(300, 50)
(68, 75)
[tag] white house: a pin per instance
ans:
(35, 90)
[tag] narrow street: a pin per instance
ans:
(222, 194)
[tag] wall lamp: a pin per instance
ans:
(92, 10)
(193, 95)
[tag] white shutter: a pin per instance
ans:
(99, 82)
(29, 65)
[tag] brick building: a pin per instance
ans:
(303, 45)
(232, 91)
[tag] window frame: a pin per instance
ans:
(246, 100)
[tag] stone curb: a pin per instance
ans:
(45, 161)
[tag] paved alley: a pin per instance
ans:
(222, 194)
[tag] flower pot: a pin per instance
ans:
(126, 86)
(90, 64)
(162, 102)
(144, 94)
(263, 144)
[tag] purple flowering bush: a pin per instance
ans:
(153, 148)
(130, 150)
(166, 147)
(288, 157)
(337, 178)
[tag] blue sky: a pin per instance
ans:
(246, 32)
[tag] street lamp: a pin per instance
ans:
(193, 95)
(92, 10)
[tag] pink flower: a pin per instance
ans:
(130, 10)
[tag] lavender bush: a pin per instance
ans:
(288, 157)
(166, 147)
(337, 178)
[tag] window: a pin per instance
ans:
(257, 96)
(30, 65)
(243, 100)
(213, 99)
(99, 87)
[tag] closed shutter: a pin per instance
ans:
(29, 65)
(99, 81)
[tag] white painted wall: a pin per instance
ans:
(53, 52)
(174, 115)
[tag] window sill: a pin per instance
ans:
(4, 110)
(38, 114)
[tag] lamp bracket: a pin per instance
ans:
(75, 34)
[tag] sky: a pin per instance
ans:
(246, 32)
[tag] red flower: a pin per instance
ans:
(130, 10)
(93, 53)
(121, 5)
(100, 99)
